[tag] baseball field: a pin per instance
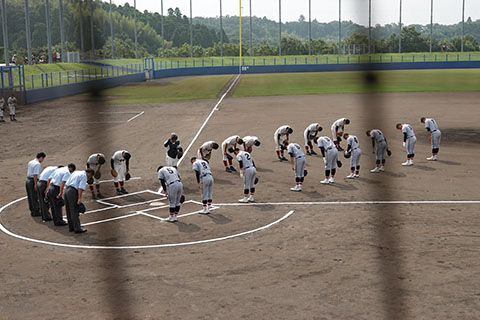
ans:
(401, 244)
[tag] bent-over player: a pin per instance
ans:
(409, 141)
(76, 185)
(337, 131)
(205, 182)
(434, 136)
(173, 149)
(55, 192)
(120, 164)
(330, 158)
(42, 189)
(34, 168)
(354, 151)
(173, 187)
(309, 134)
(281, 135)
(205, 151)
(248, 172)
(249, 142)
(230, 144)
(297, 158)
(95, 162)
(379, 145)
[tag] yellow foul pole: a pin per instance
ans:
(240, 33)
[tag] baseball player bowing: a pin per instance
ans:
(173, 187)
(230, 144)
(73, 198)
(354, 153)
(409, 141)
(248, 172)
(205, 151)
(337, 131)
(434, 136)
(55, 192)
(249, 142)
(309, 134)
(205, 182)
(95, 162)
(120, 163)
(281, 135)
(379, 145)
(330, 158)
(297, 158)
(173, 150)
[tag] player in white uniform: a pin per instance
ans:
(120, 162)
(248, 172)
(281, 135)
(330, 158)
(337, 131)
(205, 151)
(297, 158)
(354, 151)
(249, 142)
(434, 135)
(409, 141)
(379, 145)
(230, 144)
(95, 162)
(174, 150)
(205, 182)
(173, 187)
(12, 104)
(2, 108)
(309, 134)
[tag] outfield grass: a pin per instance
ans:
(352, 82)
(202, 87)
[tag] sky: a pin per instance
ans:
(383, 11)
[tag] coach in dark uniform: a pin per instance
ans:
(33, 174)
(174, 150)
(42, 188)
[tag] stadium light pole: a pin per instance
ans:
(62, 31)
(111, 30)
(28, 32)
(400, 30)
(80, 18)
(251, 30)
(163, 33)
(135, 27)
(369, 26)
(280, 27)
(431, 24)
(191, 30)
(5, 32)
(463, 25)
(92, 37)
(221, 31)
(240, 36)
(309, 27)
(339, 25)
(49, 36)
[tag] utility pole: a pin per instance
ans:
(309, 27)
(28, 31)
(111, 30)
(221, 30)
(251, 31)
(5, 32)
(80, 18)
(135, 27)
(191, 31)
(280, 27)
(431, 24)
(369, 26)
(163, 33)
(339, 25)
(463, 25)
(400, 30)
(49, 36)
(91, 29)
(62, 32)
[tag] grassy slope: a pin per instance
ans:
(351, 82)
(205, 87)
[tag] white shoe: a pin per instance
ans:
(175, 217)
(325, 181)
(356, 176)
(406, 163)
(296, 188)
(209, 207)
(251, 199)
(351, 176)
(331, 180)
(243, 200)
(171, 218)
(382, 168)
(205, 210)
(432, 158)
(377, 169)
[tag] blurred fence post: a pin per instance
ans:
(76, 77)
(33, 82)
(60, 77)
(43, 83)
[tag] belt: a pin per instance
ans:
(246, 167)
(29, 178)
(206, 174)
(383, 140)
(355, 148)
(71, 187)
(410, 137)
(300, 157)
(174, 182)
(434, 130)
(330, 148)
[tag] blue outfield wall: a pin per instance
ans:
(43, 94)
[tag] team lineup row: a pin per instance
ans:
(46, 188)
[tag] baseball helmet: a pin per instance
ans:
(127, 156)
(240, 141)
(231, 150)
(389, 152)
(347, 121)
(174, 136)
(61, 202)
(90, 181)
(290, 130)
(256, 180)
(339, 163)
(215, 145)
(182, 199)
(320, 128)
(127, 176)
(257, 143)
(179, 152)
(347, 155)
(305, 172)
(81, 208)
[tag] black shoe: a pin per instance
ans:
(61, 224)
(48, 219)
(283, 159)
(313, 153)
(94, 196)
(233, 169)
(308, 153)
(80, 231)
(119, 193)
(228, 169)
(100, 196)
(122, 190)
(35, 214)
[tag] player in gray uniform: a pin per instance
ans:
(337, 131)
(379, 149)
(409, 141)
(309, 134)
(249, 142)
(230, 144)
(205, 151)
(354, 152)
(330, 158)
(12, 104)
(95, 162)
(2, 108)
(248, 172)
(297, 158)
(205, 182)
(281, 135)
(434, 135)
(173, 187)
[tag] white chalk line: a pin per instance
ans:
(111, 180)
(110, 219)
(352, 202)
(135, 117)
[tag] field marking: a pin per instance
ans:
(110, 219)
(134, 117)
(111, 180)
(352, 202)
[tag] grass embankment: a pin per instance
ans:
(204, 87)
